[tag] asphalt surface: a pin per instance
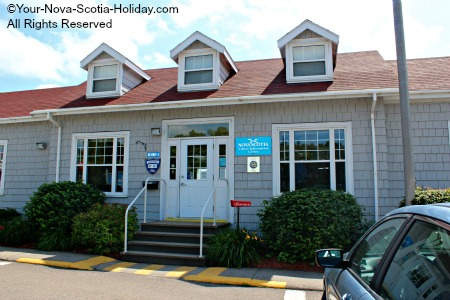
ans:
(270, 278)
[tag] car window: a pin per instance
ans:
(371, 249)
(421, 266)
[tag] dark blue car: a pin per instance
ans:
(406, 255)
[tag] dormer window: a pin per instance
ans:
(309, 52)
(105, 78)
(309, 61)
(198, 69)
(110, 74)
(203, 64)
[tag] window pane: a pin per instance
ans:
(309, 68)
(199, 62)
(421, 266)
(177, 131)
(308, 53)
(190, 63)
(369, 251)
(309, 175)
(100, 176)
(196, 77)
(340, 176)
(80, 151)
(105, 71)
(120, 151)
(284, 177)
(297, 53)
(119, 179)
(284, 145)
(319, 52)
(105, 85)
(197, 164)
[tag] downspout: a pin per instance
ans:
(58, 147)
(374, 153)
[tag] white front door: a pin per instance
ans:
(196, 177)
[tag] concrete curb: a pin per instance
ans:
(269, 278)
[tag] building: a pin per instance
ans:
(311, 117)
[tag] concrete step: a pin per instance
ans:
(164, 258)
(165, 247)
(174, 237)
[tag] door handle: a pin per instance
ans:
(347, 297)
(183, 184)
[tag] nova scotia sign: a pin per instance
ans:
(254, 146)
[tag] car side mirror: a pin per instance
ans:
(329, 258)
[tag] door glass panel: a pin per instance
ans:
(173, 163)
(197, 163)
(371, 249)
(223, 161)
(421, 266)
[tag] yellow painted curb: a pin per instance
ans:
(180, 272)
(212, 275)
(119, 267)
(79, 265)
(45, 262)
(90, 262)
(149, 269)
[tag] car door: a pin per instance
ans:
(354, 282)
(420, 266)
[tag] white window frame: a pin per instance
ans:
(214, 85)
(102, 135)
(4, 143)
(328, 76)
(90, 83)
(347, 126)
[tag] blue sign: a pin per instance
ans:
(254, 146)
(152, 165)
(153, 155)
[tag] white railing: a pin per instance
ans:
(144, 190)
(214, 212)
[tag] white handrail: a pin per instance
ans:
(214, 212)
(144, 189)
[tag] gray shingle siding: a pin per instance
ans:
(28, 167)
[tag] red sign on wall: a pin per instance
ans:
(240, 203)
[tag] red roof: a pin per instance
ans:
(354, 71)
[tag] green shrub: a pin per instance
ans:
(297, 223)
(57, 239)
(52, 208)
(101, 229)
(7, 214)
(233, 248)
(428, 195)
(17, 231)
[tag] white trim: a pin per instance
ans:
(115, 54)
(4, 143)
(307, 24)
(117, 134)
(220, 101)
(276, 128)
(390, 93)
(328, 76)
(214, 85)
(449, 133)
(167, 142)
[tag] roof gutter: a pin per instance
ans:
(218, 102)
(58, 146)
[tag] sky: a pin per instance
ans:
(32, 57)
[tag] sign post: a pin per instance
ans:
(238, 204)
